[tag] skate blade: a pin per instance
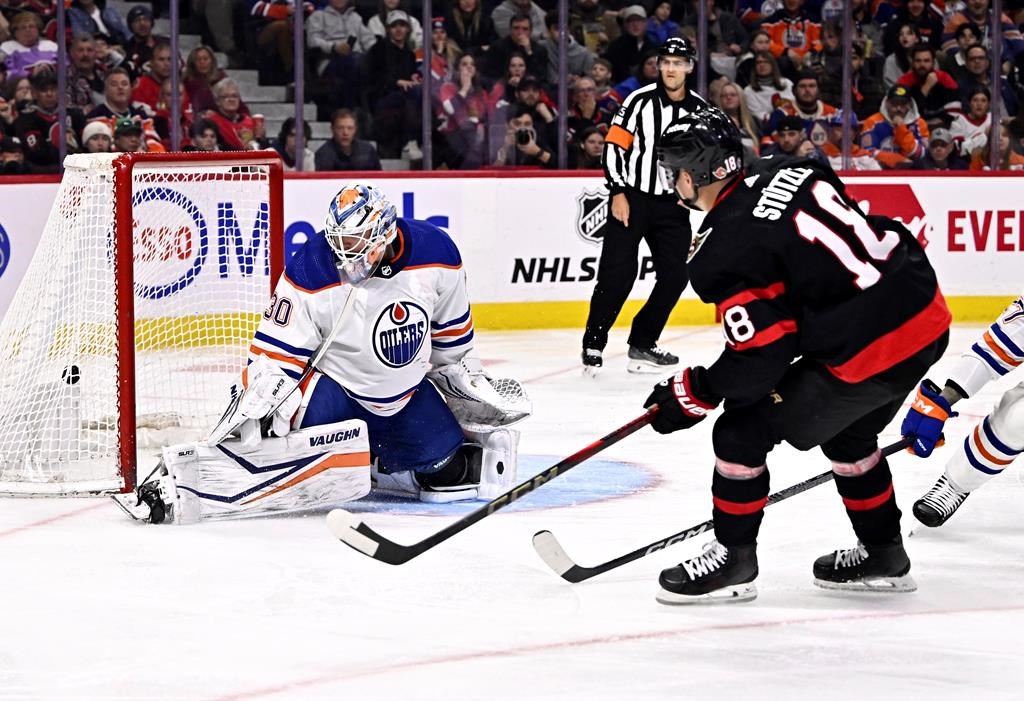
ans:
(591, 371)
(727, 595)
(137, 511)
(881, 585)
(640, 367)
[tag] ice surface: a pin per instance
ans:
(96, 607)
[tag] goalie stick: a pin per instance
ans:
(228, 423)
(555, 557)
(353, 532)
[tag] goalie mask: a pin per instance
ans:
(360, 225)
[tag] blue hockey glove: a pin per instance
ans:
(680, 402)
(924, 421)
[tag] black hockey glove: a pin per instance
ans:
(680, 401)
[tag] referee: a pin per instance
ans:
(644, 205)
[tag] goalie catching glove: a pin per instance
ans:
(269, 392)
(680, 401)
(478, 400)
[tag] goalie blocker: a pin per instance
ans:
(308, 468)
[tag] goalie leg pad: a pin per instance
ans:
(497, 459)
(308, 468)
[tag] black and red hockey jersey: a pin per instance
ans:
(795, 269)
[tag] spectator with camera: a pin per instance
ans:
(522, 146)
(532, 97)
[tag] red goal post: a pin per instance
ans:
(134, 318)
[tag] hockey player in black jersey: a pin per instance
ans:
(830, 317)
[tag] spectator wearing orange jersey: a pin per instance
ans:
(895, 135)
(793, 33)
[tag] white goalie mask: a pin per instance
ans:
(360, 225)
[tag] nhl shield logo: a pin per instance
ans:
(592, 214)
(399, 332)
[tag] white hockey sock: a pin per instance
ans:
(982, 456)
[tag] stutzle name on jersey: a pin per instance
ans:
(777, 194)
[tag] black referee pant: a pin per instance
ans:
(666, 227)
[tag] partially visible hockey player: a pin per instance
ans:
(388, 297)
(830, 318)
(995, 442)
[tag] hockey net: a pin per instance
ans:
(134, 317)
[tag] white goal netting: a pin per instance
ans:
(201, 267)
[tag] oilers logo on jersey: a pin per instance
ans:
(399, 332)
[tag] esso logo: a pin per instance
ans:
(171, 242)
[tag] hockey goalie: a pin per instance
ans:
(362, 374)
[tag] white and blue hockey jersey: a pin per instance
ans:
(413, 313)
(999, 350)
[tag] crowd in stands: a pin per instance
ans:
(922, 90)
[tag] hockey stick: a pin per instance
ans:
(249, 430)
(555, 557)
(352, 531)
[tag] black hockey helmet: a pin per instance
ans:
(706, 144)
(678, 46)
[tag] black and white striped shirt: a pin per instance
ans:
(630, 160)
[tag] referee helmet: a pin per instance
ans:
(678, 46)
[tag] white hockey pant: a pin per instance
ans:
(307, 469)
(992, 445)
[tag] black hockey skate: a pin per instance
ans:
(152, 501)
(939, 503)
(650, 360)
(592, 362)
(883, 568)
(720, 574)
